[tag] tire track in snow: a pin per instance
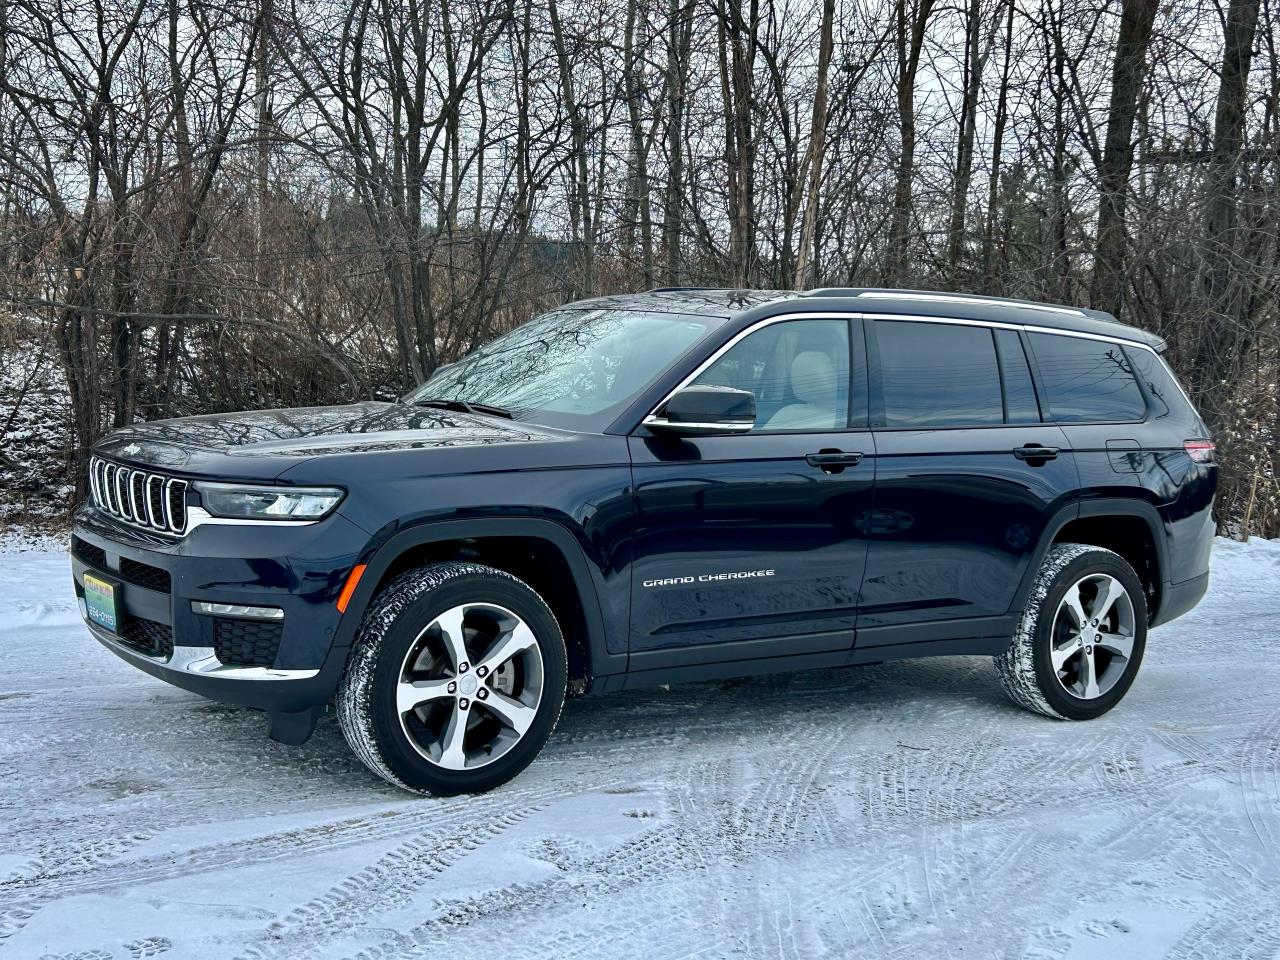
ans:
(386, 883)
(104, 876)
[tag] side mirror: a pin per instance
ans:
(701, 411)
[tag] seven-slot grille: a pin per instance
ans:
(149, 500)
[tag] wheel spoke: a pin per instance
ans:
(513, 713)
(1107, 598)
(450, 624)
(413, 693)
(1061, 655)
(452, 755)
(1118, 644)
(1088, 676)
(520, 637)
(1075, 608)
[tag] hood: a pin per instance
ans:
(265, 443)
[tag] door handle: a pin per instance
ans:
(833, 461)
(1035, 454)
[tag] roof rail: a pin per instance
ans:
(941, 296)
(676, 289)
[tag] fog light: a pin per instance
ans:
(237, 610)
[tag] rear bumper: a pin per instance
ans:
(1177, 598)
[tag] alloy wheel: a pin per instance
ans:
(1093, 636)
(470, 686)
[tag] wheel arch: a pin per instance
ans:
(1128, 526)
(540, 552)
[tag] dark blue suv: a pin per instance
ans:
(679, 485)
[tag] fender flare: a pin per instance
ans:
(601, 661)
(1102, 507)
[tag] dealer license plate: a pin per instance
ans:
(100, 602)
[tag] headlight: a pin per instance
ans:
(268, 503)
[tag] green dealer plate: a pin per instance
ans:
(100, 602)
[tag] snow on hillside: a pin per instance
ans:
(902, 810)
(34, 435)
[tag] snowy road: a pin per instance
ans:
(903, 810)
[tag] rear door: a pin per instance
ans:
(746, 546)
(967, 477)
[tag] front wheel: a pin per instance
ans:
(456, 679)
(1080, 642)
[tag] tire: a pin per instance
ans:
(483, 719)
(1108, 654)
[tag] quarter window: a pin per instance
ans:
(1086, 380)
(798, 371)
(938, 375)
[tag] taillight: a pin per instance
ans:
(1201, 451)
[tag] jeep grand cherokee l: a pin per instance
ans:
(679, 485)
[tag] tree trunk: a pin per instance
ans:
(1219, 344)
(910, 22)
(679, 38)
(817, 146)
(580, 194)
(997, 150)
(975, 60)
(1136, 20)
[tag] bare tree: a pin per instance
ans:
(1137, 18)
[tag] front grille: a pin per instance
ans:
(149, 500)
(93, 556)
(253, 643)
(144, 575)
(148, 636)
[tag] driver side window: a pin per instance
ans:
(798, 371)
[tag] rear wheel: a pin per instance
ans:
(1081, 638)
(456, 680)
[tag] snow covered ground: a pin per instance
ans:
(904, 810)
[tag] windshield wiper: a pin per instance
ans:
(462, 406)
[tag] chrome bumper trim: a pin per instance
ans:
(200, 661)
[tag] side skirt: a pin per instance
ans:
(974, 646)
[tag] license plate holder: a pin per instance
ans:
(102, 601)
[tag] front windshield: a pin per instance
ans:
(569, 367)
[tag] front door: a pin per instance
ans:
(752, 545)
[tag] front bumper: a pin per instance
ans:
(198, 670)
(298, 570)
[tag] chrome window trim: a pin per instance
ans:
(909, 318)
(726, 428)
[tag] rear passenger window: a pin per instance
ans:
(1086, 380)
(938, 375)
